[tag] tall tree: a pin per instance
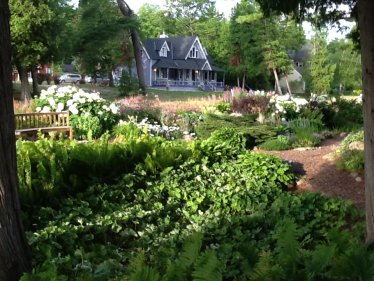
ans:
(135, 38)
(320, 69)
(347, 59)
(37, 28)
(152, 21)
(14, 252)
(276, 59)
(185, 14)
(100, 53)
(328, 12)
(250, 31)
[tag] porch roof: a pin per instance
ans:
(194, 64)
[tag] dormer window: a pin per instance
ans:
(194, 53)
(163, 52)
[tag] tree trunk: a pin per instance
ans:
(366, 23)
(111, 81)
(238, 81)
(135, 38)
(14, 252)
(25, 86)
(288, 85)
(277, 81)
(35, 88)
(243, 82)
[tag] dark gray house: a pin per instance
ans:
(179, 63)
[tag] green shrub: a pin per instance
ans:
(254, 134)
(280, 143)
(351, 160)
(223, 107)
(348, 115)
(351, 138)
(128, 85)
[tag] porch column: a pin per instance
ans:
(167, 78)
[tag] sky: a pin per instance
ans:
(225, 7)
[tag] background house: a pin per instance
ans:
(180, 63)
(295, 78)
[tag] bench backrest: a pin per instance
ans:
(40, 120)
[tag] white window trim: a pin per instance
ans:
(201, 48)
(164, 46)
(209, 67)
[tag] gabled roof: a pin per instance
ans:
(179, 46)
(177, 55)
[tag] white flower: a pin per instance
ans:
(113, 108)
(300, 101)
(51, 102)
(100, 112)
(69, 102)
(73, 109)
(60, 107)
(38, 109)
(46, 109)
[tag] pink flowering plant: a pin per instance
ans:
(90, 114)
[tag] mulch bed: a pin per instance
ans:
(319, 173)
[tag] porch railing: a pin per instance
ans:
(187, 83)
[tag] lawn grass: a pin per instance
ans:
(164, 95)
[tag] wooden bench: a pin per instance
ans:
(27, 123)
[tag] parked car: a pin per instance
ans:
(70, 78)
(101, 80)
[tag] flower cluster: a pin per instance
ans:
(153, 128)
(284, 102)
(90, 114)
(72, 99)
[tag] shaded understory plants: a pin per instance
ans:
(149, 209)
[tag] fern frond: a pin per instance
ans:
(178, 270)
(266, 269)
(287, 247)
(321, 258)
(207, 268)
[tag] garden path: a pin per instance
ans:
(321, 175)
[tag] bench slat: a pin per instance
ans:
(51, 121)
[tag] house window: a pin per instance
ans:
(163, 73)
(163, 52)
(194, 53)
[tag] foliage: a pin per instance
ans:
(280, 143)
(348, 115)
(348, 71)
(320, 70)
(128, 85)
(351, 152)
(249, 32)
(142, 226)
(223, 107)
(351, 160)
(99, 36)
(91, 116)
(305, 132)
(254, 134)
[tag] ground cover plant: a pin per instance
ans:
(148, 208)
(350, 155)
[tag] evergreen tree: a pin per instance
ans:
(320, 69)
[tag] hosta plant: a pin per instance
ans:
(91, 115)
